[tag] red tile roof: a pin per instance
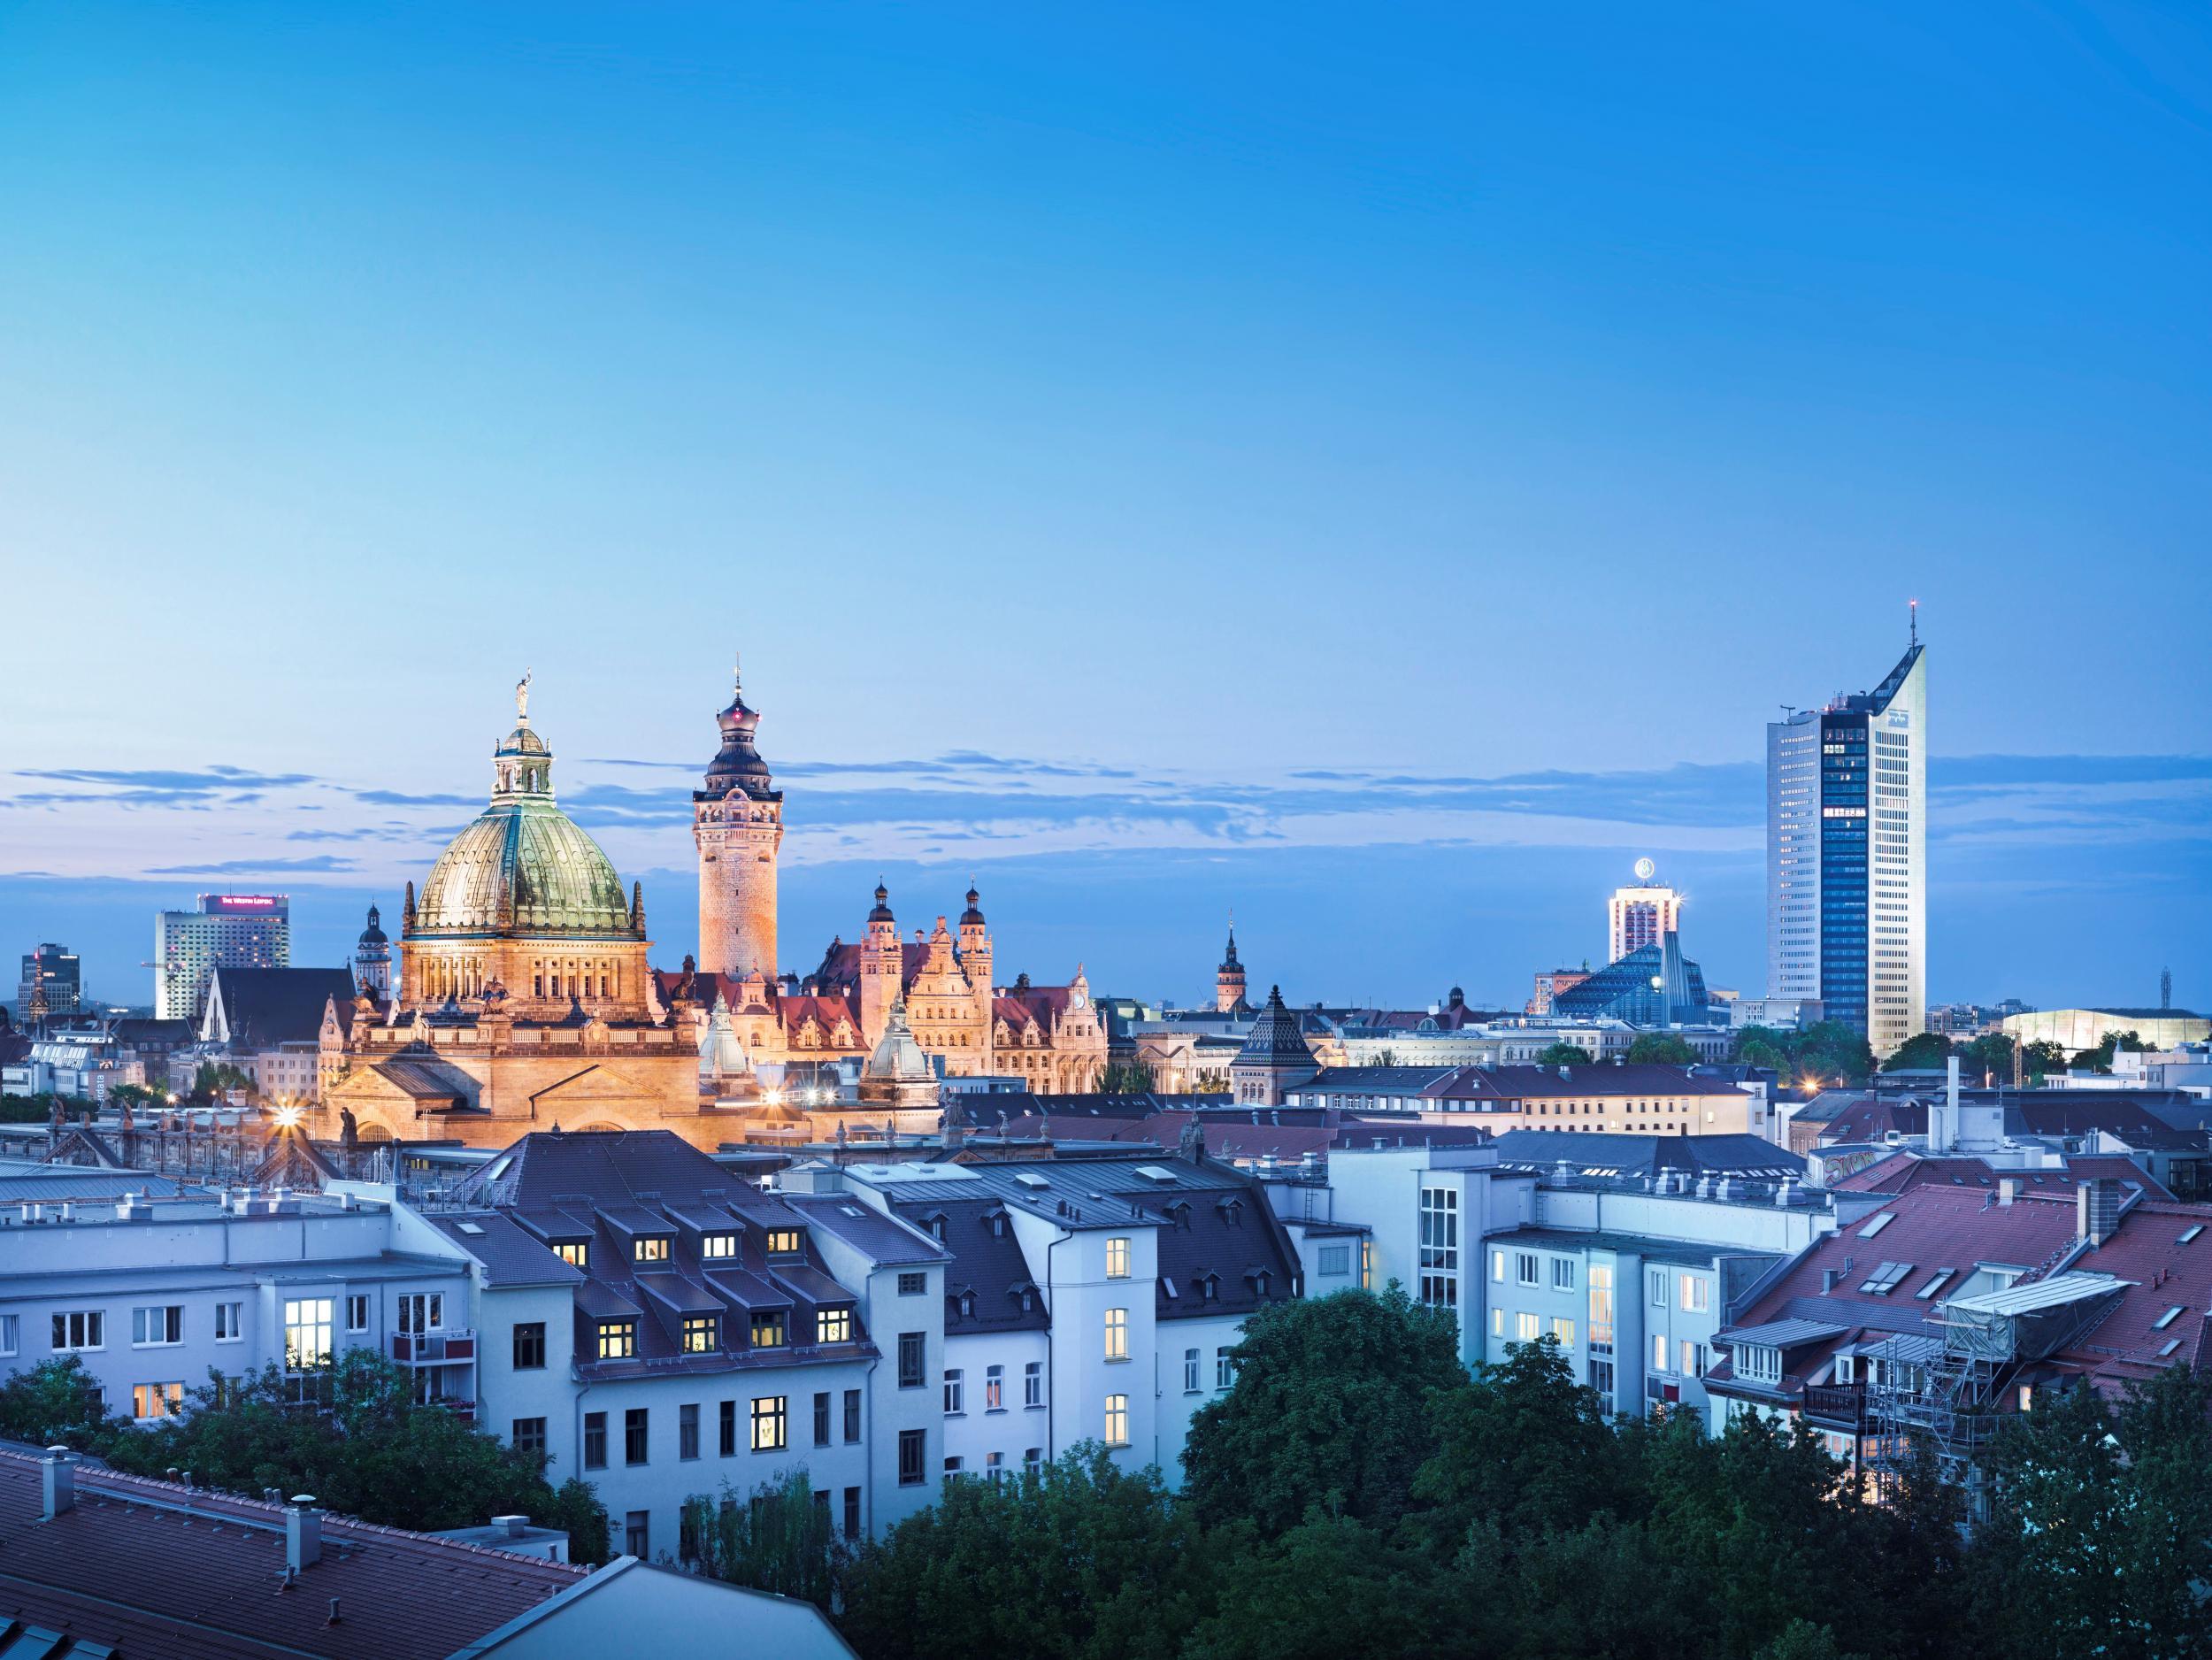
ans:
(1873, 1118)
(2164, 1274)
(1907, 1168)
(158, 1571)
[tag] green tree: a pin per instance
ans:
(1328, 1588)
(1923, 1051)
(1080, 1562)
(1802, 1640)
(1522, 1446)
(1662, 1048)
(352, 1434)
(56, 1403)
(1991, 1057)
(777, 1539)
(2101, 1525)
(1833, 1053)
(1562, 1055)
(1127, 1078)
(2042, 1058)
(1329, 1412)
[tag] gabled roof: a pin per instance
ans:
(263, 1007)
(157, 1571)
(1908, 1168)
(988, 1268)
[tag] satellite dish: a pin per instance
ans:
(1646, 869)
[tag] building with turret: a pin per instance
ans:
(1275, 1058)
(522, 996)
(737, 822)
(1228, 980)
(373, 959)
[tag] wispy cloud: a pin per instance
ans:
(320, 863)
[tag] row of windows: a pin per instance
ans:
(768, 1426)
(994, 1389)
(703, 1333)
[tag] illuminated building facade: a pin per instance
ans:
(228, 931)
(1846, 864)
(1641, 915)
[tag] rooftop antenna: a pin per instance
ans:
(1913, 605)
(2165, 990)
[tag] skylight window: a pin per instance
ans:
(1879, 1220)
(1884, 1278)
(1155, 1173)
(2190, 1232)
(2172, 1344)
(1031, 1178)
(2167, 1318)
(1942, 1277)
(499, 1166)
(471, 1227)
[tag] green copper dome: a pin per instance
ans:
(522, 867)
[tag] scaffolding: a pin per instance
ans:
(1943, 1390)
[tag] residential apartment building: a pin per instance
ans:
(1623, 1098)
(1943, 1308)
(151, 1295)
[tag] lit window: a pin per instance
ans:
(576, 1256)
(618, 1340)
(307, 1333)
(834, 1325)
(1117, 1333)
(1563, 1330)
(703, 1333)
(769, 1329)
(783, 1241)
(649, 1251)
(1695, 1291)
(1497, 1322)
(157, 1400)
(1659, 1352)
(1527, 1327)
(1118, 1258)
(994, 1390)
(1117, 1420)
(717, 1245)
(768, 1423)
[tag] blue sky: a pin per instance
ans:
(1149, 409)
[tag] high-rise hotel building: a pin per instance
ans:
(1847, 855)
(228, 931)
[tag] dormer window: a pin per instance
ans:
(576, 1256)
(649, 1251)
(1029, 1300)
(967, 1305)
(718, 1247)
(703, 1333)
(1760, 1364)
(618, 1340)
(770, 1330)
(998, 1225)
(834, 1325)
(783, 1241)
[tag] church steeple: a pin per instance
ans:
(1229, 977)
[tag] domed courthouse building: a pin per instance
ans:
(523, 997)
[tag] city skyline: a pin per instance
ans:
(1382, 481)
(1266, 847)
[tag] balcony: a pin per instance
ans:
(435, 1349)
(1838, 1405)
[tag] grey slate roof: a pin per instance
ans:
(511, 1255)
(267, 1006)
(865, 1229)
(1743, 1155)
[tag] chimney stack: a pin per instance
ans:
(514, 1525)
(2008, 1189)
(2097, 1210)
(302, 1532)
(57, 1481)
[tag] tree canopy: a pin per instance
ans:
(1663, 1047)
(1923, 1051)
(1562, 1055)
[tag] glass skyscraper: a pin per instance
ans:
(1847, 855)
